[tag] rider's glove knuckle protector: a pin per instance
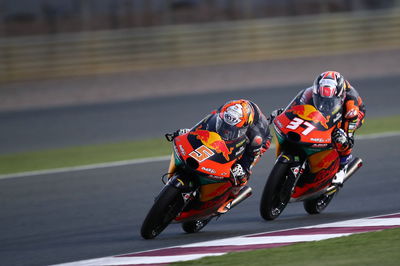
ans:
(340, 139)
(274, 114)
(239, 174)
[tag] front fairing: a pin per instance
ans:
(206, 153)
(304, 126)
(305, 133)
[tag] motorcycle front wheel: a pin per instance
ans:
(272, 205)
(166, 207)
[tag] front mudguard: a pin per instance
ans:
(181, 182)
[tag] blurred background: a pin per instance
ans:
(63, 52)
(26, 17)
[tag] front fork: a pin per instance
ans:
(184, 184)
(172, 166)
(295, 168)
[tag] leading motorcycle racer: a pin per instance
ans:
(235, 119)
(328, 88)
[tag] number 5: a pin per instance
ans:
(201, 153)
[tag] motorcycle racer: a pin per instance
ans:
(329, 89)
(235, 119)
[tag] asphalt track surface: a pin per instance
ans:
(102, 123)
(79, 215)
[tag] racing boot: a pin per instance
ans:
(244, 193)
(341, 173)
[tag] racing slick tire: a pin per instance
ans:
(166, 207)
(272, 205)
(317, 205)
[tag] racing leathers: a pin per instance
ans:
(352, 118)
(258, 140)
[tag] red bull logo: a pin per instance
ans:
(213, 141)
(309, 113)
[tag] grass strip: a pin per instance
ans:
(84, 155)
(375, 248)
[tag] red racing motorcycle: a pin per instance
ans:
(306, 160)
(199, 185)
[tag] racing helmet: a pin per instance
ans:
(234, 118)
(329, 92)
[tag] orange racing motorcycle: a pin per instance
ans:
(200, 184)
(306, 160)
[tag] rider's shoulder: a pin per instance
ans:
(349, 88)
(351, 92)
(305, 95)
(257, 111)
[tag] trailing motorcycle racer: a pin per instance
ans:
(235, 119)
(330, 88)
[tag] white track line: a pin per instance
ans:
(147, 160)
(247, 242)
(87, 167)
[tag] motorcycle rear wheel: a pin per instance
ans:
(271, 204)
(316, 206)
(166, 207)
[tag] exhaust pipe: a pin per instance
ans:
(243, 194)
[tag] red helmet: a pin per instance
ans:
(234, 118)
(329, 91)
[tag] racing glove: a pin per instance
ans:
(181, 131)
(274, 114)
(239, 175)
(171, 136)
(340, 140)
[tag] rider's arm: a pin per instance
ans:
(259, 141)
(354, 112)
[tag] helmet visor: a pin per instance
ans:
(227, 131)
(327, 105)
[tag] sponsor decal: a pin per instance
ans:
(309, 113)
(295, 170)
(319, 145)
(182, 150)
(277, 122)
(240, 143)
(186, 196)
(352, 113)
(337, 117)
(241, 149)
(317, 139)
(213, 141)
(210, 170)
